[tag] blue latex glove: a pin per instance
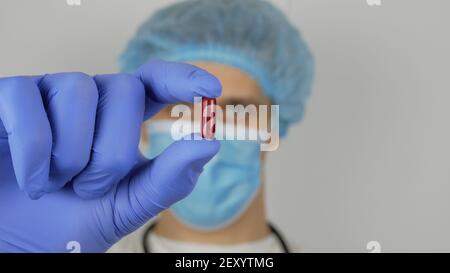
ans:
(76, 138)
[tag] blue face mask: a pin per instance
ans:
(226, 187)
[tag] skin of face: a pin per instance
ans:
(238, 88)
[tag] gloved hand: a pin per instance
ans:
(71, 142)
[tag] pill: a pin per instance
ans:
(208, 118)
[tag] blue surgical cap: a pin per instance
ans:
(251, 35)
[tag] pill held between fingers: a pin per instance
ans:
(208, 118)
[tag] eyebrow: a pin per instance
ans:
(228, 101)
(241, 101)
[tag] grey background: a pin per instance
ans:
(371, 159)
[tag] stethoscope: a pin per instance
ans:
(274, 231)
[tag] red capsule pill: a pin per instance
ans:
(208, 118)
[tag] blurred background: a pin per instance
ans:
(370, 162)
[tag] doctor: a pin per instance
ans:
(260, 59)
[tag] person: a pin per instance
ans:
(71, 176)
(260, 59)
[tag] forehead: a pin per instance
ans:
(237, 87)
(236, 84)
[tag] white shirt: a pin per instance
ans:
(159, 244)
